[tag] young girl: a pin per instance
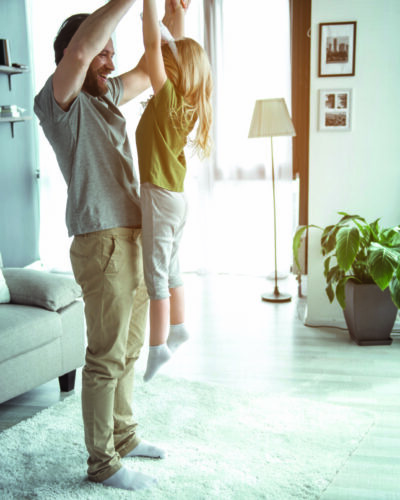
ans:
(181, 79)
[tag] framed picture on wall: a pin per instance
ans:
(337, 49)
(335, 109)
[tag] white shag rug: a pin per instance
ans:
(221, 443)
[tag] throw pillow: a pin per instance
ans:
(40, 288)
(4, 291)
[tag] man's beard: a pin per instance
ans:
(92, 86)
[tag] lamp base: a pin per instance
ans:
(276, 296)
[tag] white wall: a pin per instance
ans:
(356, 171)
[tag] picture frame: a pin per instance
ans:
(337, 49)
(335, 109)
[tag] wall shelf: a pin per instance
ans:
(11, 70)
(13, 119)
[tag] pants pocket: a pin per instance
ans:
(111, 253)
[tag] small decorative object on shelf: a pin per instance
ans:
(4, 52)
(10, 111)
(23, 67)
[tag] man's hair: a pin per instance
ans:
(65, 33)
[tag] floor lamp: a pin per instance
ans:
(271, 119)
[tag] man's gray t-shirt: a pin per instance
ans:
(94, 155)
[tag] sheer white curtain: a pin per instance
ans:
(251, 61)
(249, 48)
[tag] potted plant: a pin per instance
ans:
(362, 271)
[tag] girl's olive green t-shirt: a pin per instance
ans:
(160, 144)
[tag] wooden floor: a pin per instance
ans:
(240, 341)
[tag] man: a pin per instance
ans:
(78, 112)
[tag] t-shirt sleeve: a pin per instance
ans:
(48, 110)
(116, 89)
(45, 106)
(55, 121)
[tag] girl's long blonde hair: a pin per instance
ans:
(191, 76)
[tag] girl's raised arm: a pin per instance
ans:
(152, 45)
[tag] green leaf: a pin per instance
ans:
(327, 262)
(395, 291)
(382, 264)
(328, 239)
(340, 293)
(347, 217)
(347, 245)
(391, 237)
(330, 293)
(334, 274)
(297, 238)
(341, 290)
(370, 231)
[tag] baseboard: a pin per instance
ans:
(326, 324)
(341, 324)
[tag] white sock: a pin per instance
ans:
(158, 355)
(127, 479)
(145, 449)
(177, 336)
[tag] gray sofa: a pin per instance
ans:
(41, 331)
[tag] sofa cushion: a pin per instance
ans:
(4, 291)
(40, 288)
(24, 328)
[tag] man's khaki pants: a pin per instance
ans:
(108, 266)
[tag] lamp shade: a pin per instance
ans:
(271, 118)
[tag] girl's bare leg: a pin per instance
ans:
(177, 305)
(159, 321)
(177, 331)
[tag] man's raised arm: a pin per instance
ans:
(89, 40)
